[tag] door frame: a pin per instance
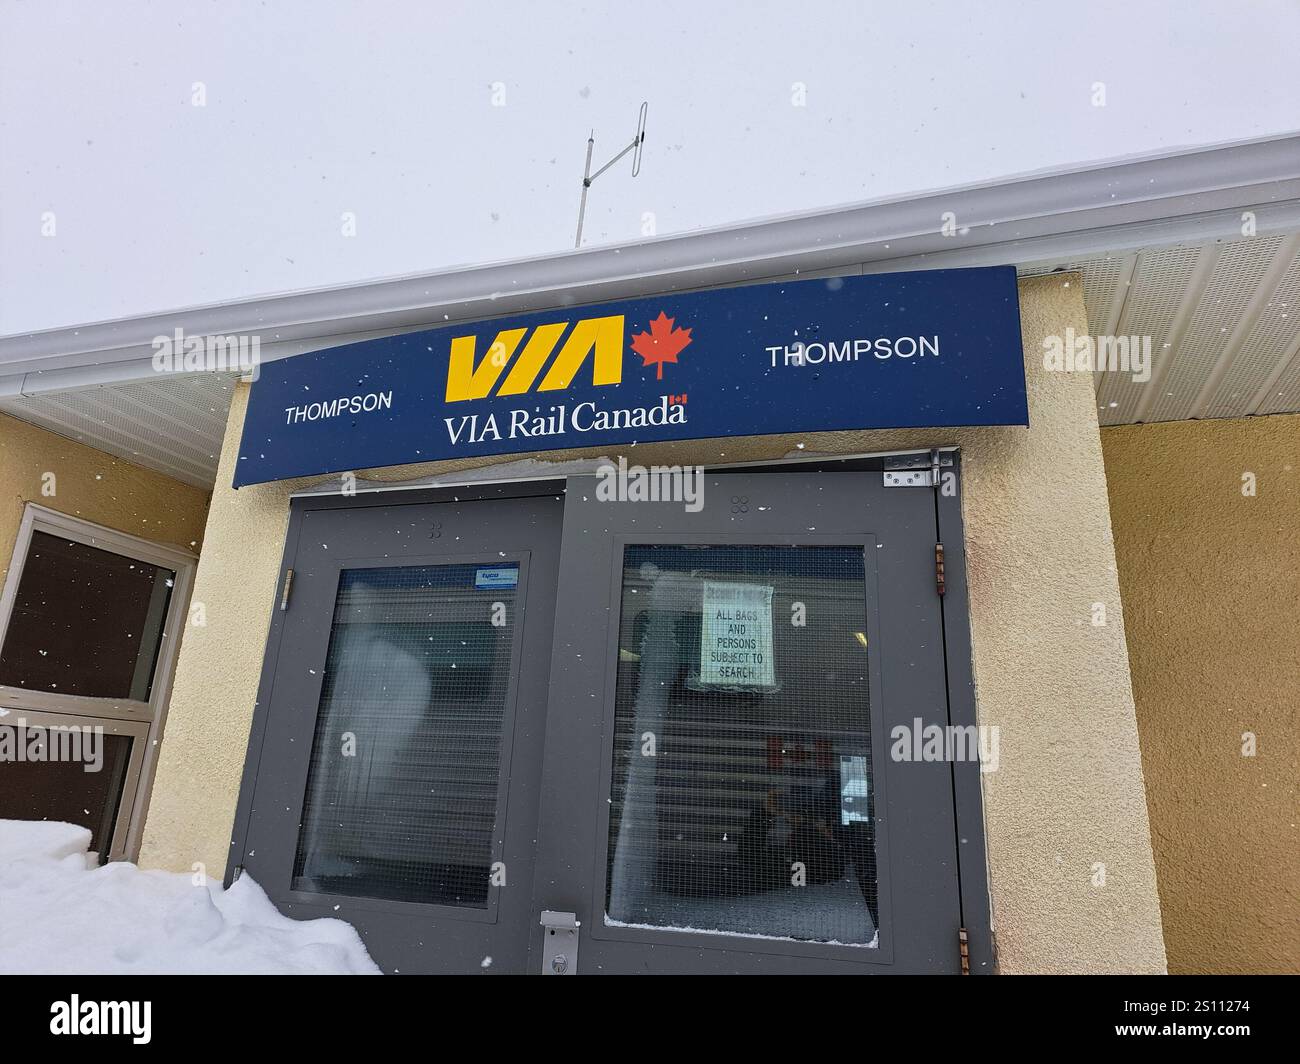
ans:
(299, 507)
(967, 784)
(974, 891)
(510, 718)
(954, 607)
(596, 891)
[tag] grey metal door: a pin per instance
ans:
(393, 771)
(735, 775)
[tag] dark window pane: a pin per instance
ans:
(85, 621)
(58, 774)
(401, 798)
(742, 798)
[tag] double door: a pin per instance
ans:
(525, 729)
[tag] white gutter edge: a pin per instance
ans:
(1186, 195)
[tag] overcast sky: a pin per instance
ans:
(394, 112)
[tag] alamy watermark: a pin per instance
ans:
(1088, 354)
(22, 742)
(919, 741)
(179, 353)
(77, 1017)
(623, 483)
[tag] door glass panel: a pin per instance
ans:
(401, 799)
(742, 796)
(85, 621)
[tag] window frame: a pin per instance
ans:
(117, 842)
(149, 715)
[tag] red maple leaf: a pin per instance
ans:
(661, 344)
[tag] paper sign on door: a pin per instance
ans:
(736, 635)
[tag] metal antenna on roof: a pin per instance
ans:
(588, 177)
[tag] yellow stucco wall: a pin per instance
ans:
(1211, 584)
(1069, 793)
(91, 485)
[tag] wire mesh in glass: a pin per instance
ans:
(401, 798)
(742, 796)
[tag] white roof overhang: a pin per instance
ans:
(1150, 234)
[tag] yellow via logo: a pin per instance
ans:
(601, 338)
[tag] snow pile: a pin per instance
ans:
(60, 913)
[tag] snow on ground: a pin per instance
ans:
(60, 913)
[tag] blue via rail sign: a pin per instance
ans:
(927, 349)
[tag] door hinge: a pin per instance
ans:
(284, 595)
(940, 584)
(963, 945)
(916, 470)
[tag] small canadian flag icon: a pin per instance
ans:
(661, 344)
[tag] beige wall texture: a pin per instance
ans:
(91, 485)
(1211, 584)
(1068, 796)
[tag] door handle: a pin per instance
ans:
(559, 943)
